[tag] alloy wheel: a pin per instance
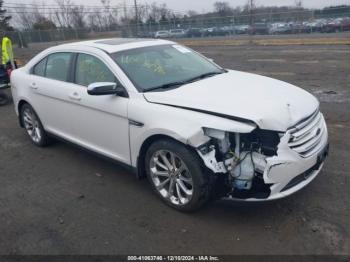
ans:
(32, 125)
(171, 177)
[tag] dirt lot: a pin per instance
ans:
(62, 200)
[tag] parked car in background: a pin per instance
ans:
(162, 34)
(259, 29)
(300, 28)
(145, 34)
(211, 31)
(241, 29)
(337, 25)
(345, 24)
(194, 32)
(316, 25)
(280, 28)
(217, 31)
(177, 33)
(225, 30)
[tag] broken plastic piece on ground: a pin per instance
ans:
(330, 92)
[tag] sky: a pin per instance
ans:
(201, 5)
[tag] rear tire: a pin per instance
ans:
(33, 126)
(176, 175)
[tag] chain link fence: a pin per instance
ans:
(200, 26)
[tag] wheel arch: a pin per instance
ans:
(21, 103)
(19, 107)
(141, 172)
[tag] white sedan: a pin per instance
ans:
(196, 130)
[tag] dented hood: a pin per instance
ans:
(270, 103)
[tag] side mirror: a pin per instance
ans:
(103, 88)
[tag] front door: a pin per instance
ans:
(99, 123)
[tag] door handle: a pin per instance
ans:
(75, 96)
(33, 86)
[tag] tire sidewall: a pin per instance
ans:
(193, 163)
(43, 140)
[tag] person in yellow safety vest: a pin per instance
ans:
(7, 65)
(7, 52)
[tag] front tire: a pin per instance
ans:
(176, 175)
(33, 126)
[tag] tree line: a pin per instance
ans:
(65, 14)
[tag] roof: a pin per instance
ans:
(120, 41)
(113, 45)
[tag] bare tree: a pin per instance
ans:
(4, 18)
(159, 11)
(27, 17)
(109, 19)
(143, 12)
(64, 14)
(299, 3)
(191, 13)
(23, 18)
(78, 17)
(223, 8)
(93, 22)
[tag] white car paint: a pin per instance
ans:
(270, 103)
(66, 110)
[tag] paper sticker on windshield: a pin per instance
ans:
(182, 49)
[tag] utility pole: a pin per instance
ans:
(251, 20)
(125, 11)
(126, 20)
(136, 17)
(251, 7)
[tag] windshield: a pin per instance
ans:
(161, 66)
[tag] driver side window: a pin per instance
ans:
(90, 69)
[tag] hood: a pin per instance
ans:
(270, 103)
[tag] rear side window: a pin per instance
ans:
(90, 69)
(58, 65)
(39, 69)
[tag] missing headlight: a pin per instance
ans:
(263, 141)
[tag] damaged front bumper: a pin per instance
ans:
(289, 172)
(296, 165)
(290, 177)
(299, 159)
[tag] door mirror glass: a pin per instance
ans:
(103, 88)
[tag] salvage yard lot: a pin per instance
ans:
(62, 200)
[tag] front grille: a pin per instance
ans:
(306, 135)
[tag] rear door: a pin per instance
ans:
(53, 93)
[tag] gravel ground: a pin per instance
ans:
(62, 200)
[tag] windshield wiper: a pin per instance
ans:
(180, 83)
(166, 86)
(206, 75)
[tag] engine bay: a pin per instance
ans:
(241, 160)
